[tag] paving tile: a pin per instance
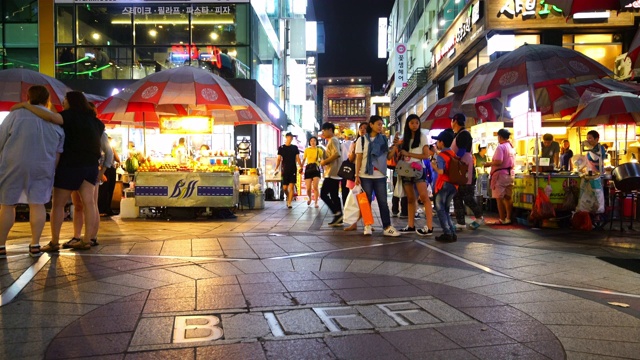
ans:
(349, 283)
(251, 267)
(204, 290)
(297, 349)
(332, 275)
(306, 264)
(600, 347)
(493, 314)
(589, 319)
(136, 281)
(305, 285)
(193, 271)
(166, 275)
(170, 305)
(401, 291)
(242, 351)
(454, 354)
(474, 335)
(597, 332)
(222, 268)
(15, 321)
(183, 290)
(477, 281)
(524, 331)
(219, 302)
(419, 341)
(442, 311)
(295, 275)
(329, 264)
(316, 297)
(469, 300)
(269, 300)
(366, 346)
(551, 349)
(20, 337)
(222, 280)
(173, 354)
(506, 352)
(242, 326)
(116, 323)
(363, 266)
(93, 345)
(303, 321)
(263, 288)
(45, 307)
(276, 265)
(153, 331)
(384, 281)
(359, 294)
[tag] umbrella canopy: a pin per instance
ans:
(252, 115)
(570, 7)
(14, 84)
(612, 108)
(530, 67)
(438, 115)
(634, 51)
(190, 87)
(604, 85)
(462, 84)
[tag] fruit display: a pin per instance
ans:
(192, 166)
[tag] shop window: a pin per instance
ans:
(168, 29)
(483, 57)
(21, 58)
(20, 11)
(599, 47)
(64, 25)
(526, 39)
(347, 107)
(104, 25)
(448, 84)
(23, 35)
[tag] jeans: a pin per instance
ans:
(466, 196)
(329, 194)
(443, 203)
(345, 191)
(396, 202)
(379, 187)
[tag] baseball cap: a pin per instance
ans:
(459, 118)
(288, 134)
(446, 137)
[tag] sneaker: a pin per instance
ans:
(394, 214)
(460, 227)
(474, 225)
(403, 216)
(407, 229)
(337, 220)
(368, 230)
(417, 215)
(68, 244)
(424, 231)
(447, 238)
(391, 231)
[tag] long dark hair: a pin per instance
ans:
(372, 120)
(77, 102)
(406, 137)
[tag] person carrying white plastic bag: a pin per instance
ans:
(351, 209)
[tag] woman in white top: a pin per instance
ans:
(362, 131)
(413, 149)
(371, 171)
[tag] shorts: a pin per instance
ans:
(71, 178)
(289, 178)
(502, 185)
(413, 180)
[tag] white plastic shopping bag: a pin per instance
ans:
(351, 212)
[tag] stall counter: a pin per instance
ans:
(524, 192)
(186, 189)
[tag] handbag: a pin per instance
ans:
(311, 171)
(408, 170)
(347, 170)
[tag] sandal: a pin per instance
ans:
(352, 227)
(50, 248)
(68, 244)
(81, 245)
(94, 242)
(500, 222)
(3, 252)
(34, 251)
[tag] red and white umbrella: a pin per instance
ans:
(252, 115)
(532, 67)
(613, 108)
(190, 87)
(14, 84)
(605, 85)
(438, 115)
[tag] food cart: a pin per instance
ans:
(188, 178)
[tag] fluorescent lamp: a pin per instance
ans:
(592, 15)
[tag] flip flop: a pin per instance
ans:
(499, 222)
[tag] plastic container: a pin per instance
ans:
(128, 208)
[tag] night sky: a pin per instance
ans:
(351, 29)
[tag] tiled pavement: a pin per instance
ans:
(280, 284)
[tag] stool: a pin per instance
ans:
(621, 197)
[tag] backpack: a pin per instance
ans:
(269, 195)
(457, 170)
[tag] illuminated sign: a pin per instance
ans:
(185, 125)
(447, 49)
(401, 65)
(527, 9)
(115, 2)
(382, 38)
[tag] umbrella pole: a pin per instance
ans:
(615, 146)
(144, 134)
(533, 98)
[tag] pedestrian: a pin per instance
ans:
(398, 203)
(480, 157)
(371, 171)
(362, 131)
(597, 153)
(331, 182)
(345, 147)
(444, 190)
(413, 149)
(502, 176)
(462, 146)
(29, 151)
(101, 60)
(77, 169)
(312, 157)
(288, 157)
(565, 156)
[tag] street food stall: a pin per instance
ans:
(179, 176)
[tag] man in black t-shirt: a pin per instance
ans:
(288, 156)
